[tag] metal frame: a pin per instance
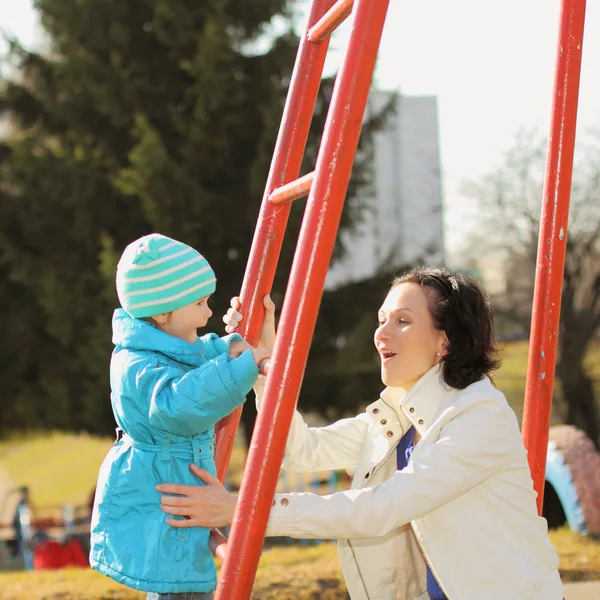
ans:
(327, 187)
(552, 243)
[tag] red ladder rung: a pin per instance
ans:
(330, 21)
(294, 190)
(272, 219)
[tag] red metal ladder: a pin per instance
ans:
(326, 188)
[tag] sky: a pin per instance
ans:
(490, 64)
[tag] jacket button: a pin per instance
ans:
(412, 409)
(274, 502)
(421, 421)
(375, 411)
(389, 433)
(284, 502)
(383, 421)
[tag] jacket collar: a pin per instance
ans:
(424, 401)
(135, 334)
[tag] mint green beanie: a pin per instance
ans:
(157, 274)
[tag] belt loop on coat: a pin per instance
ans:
(196, 452)
(166, 450)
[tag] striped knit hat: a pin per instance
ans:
(157, 275)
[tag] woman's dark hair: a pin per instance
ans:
(460, 308)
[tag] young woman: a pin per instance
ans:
(442, 504)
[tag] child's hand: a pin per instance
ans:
(267, 335)
(236, 348)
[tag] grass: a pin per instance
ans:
(62, 469)
(510, 378)
(288, 573)
(579, 555)
(285, 573)
(58, 468)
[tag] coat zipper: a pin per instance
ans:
(428, 561)
(419, 542)
(382, 462)
(359, 571)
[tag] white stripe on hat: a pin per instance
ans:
(163, 273)
(159, 261)
(172, 298)
(168, 285)
(169, 245)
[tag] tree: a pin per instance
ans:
(142, 116)
(509, 202)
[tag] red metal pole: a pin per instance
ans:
(272, 220)
(303, 296)
(552, 242)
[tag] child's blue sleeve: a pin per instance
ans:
(215, 346)
(191, 403)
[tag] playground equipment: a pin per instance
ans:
(315, 245)
(326, 189)
(48, 537)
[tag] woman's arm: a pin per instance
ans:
(310, 449)
(470, 450)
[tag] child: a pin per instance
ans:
(169, 388)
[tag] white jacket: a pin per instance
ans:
(465, 502)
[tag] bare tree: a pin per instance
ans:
(509, 203)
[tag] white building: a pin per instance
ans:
(403, 223)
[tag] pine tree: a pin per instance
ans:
(141, 116)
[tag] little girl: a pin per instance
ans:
(169, 388)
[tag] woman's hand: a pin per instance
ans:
(209, 505)
(267, 335)
(262, 358)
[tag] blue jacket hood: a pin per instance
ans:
(136, 334)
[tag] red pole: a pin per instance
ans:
(303, 296)
(272, 220)
(552, 242)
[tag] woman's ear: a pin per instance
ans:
(443, 344)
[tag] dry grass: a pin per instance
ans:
(61, 469)
(579, 556)
(285, 573)
(58, 468)
(510, 378)
(289, 573)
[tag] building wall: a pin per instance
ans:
(403, 223)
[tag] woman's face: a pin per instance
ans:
(406, 338)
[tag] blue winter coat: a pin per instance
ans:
(167, 395)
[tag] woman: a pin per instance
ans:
(442, 505)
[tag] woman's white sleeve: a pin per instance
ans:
(469, 451)
(311, 449)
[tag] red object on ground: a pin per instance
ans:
(552, 242)
(50, 555)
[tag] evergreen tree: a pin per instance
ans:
(142, 115)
